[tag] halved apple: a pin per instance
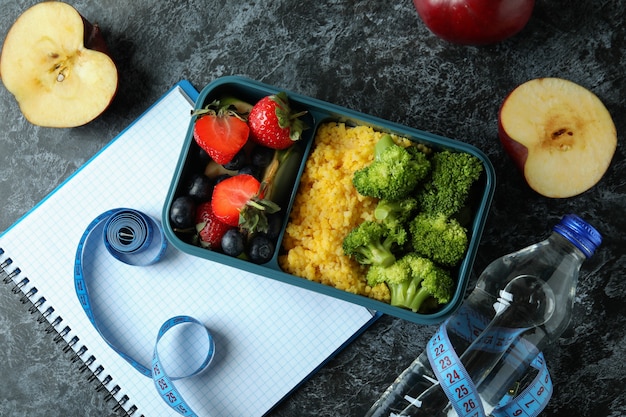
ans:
(560, 135)
(56, 65)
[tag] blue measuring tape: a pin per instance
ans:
(452, 376)
(135, 238)
(457, 383)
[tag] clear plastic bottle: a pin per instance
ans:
(521, 303)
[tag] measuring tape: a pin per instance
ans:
(457, 383)
(452, 376)
(135, 238)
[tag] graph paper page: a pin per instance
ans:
(269, 335)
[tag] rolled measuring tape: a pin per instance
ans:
(137, 239)
(458, 385)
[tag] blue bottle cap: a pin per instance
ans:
(582, 235)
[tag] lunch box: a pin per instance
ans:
(318, 112)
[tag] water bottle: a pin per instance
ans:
(521, 303)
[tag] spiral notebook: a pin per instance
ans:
(269, 336)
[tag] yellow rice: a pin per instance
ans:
(327, 207)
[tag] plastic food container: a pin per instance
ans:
(319, 112)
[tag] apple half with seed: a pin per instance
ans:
(560, 135)
(57, 66)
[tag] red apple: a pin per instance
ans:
(475, 22)
(559, 134)
(57, 66)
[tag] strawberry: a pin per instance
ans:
(273, 124)
(238, 201)
(210, 228)
(220, 131)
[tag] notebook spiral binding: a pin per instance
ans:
(37, 306)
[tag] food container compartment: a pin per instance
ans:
(319, 112)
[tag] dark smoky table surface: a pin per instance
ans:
(376, 57)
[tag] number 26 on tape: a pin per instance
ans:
(470, 406)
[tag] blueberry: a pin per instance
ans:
(256, 172)
(238, 161)
(262, 156)
(183, 212)
(200, 187)
(260, 249)
(203, 157)
(275, 224)
(233, 242)
(221, 178)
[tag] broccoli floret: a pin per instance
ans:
(396, 214)
(371, 243)
(436, 282)
(393, 173)
(395, 211)
(396, 272)
(414, 282)
(451, 178)
(439, 238)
